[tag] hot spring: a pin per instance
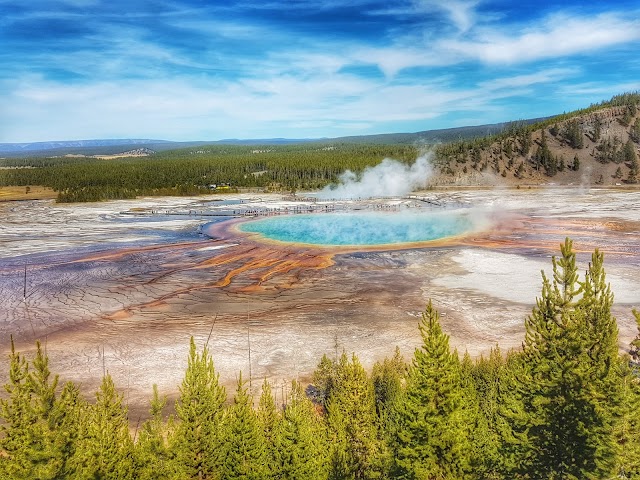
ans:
(361, 228)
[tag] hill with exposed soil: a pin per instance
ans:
(599, 145)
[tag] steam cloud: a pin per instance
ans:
(387, 179)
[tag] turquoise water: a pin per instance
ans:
(360, 228)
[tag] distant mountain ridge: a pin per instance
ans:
(51, 145)
(116, 146)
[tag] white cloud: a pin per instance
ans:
(392, 60)
(181, 110)
(519, 81)
(304, 90)
(598, 90)
(558, 36)
(461, 13)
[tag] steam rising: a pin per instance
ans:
(390, 178)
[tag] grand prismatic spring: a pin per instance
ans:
(361, 229)
(123, 285)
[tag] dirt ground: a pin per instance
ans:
(122, 286)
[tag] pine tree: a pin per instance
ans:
(105, 449)
(196, 441)
(323, 380)
(359, 452)
(433, 436)
(510, 417)
(571, 391)
(634, 132)
(18, 417)
(627, 428)
(573, 134)
(480, 381)
(597, 129)
(68, 415)
(629, 152)
(46, 460)
(152, 457)
(244, 443)
(301, 442)
(41, 430)
(630, 157)
(388, 380)
(270, 421)
(576, 163)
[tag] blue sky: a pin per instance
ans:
(196, 70)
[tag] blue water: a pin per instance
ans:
(360, 228)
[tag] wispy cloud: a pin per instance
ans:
(462, 13)
(180, 70)
(557, 36)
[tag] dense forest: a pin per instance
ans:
(190, 172)
(565, 406)
(605, 137)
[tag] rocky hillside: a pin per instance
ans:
(599, 145)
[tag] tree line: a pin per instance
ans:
(192, 171)
(311, 166)
(565, 406)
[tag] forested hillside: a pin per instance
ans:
(567, 406)
(598, 145)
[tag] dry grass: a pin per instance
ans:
(8, 194)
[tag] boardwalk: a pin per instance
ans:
(304, 205)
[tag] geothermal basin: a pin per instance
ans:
(123, 285)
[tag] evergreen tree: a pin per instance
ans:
(152, 457)
(105, 449)
(323, 380)
(618, 173)
(196, 442)
(629, 152)
(561, 164)
(244, 443)
(270, 421)
(597, 129)
(481, 382)
(634, 132)
(358, 450)
(18, 417)
(509, 419)
(49, 451)
(634, 351)
(525, 142)
(388, 383)
(544, 158)
(576, 163)
(633, 172)
(38, 436)
(570, 395)
(573, 134)
(433, 435)
(629, 156)
(302, 447)
(628, 422)
(627, 429)
(68, 417)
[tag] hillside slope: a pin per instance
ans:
(599, 145)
